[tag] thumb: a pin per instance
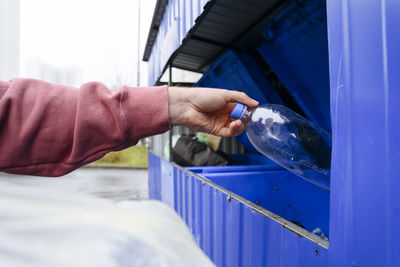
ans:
(235, 128)
(236, 96)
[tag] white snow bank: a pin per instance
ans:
(43, 227)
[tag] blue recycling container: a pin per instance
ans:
(253, 213)
(246, 217)
(338, 60)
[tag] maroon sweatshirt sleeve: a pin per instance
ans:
(50, 130)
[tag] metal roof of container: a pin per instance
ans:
(155, 25)
(221, 25)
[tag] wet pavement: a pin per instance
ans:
(111, 183)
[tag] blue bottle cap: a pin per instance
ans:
(238, 111)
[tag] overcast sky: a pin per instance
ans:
(97, 36)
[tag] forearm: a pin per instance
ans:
(50, 130)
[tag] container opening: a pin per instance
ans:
(281, 192)
(289, 67)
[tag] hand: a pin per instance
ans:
(206, 109)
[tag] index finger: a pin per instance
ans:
(236, 96)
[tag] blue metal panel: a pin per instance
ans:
(281, 192)
(181, 11)
(248, 162)
(203, 3)
(235, 70)
(364, 41)
(252, 159)
(154, 176)
(179, 17)
(188, 15)
(296, 48)
(234, 232)
(167, 184)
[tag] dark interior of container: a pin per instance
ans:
(290, 67)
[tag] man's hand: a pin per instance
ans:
(206, 109)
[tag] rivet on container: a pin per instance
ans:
(316, 251)
(228, 198)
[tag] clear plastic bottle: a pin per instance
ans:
(289, 139)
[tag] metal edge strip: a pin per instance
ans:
(285, 223)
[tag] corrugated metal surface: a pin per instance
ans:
(364, 41)
(235, 232)
(168, 30)
(202, 36)
(154, 177)
(280, 192)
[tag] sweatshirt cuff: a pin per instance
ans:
(145, 111)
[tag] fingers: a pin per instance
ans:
(235, 128)
(236, 96)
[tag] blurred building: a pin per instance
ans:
(9, 39)
(67, 75)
